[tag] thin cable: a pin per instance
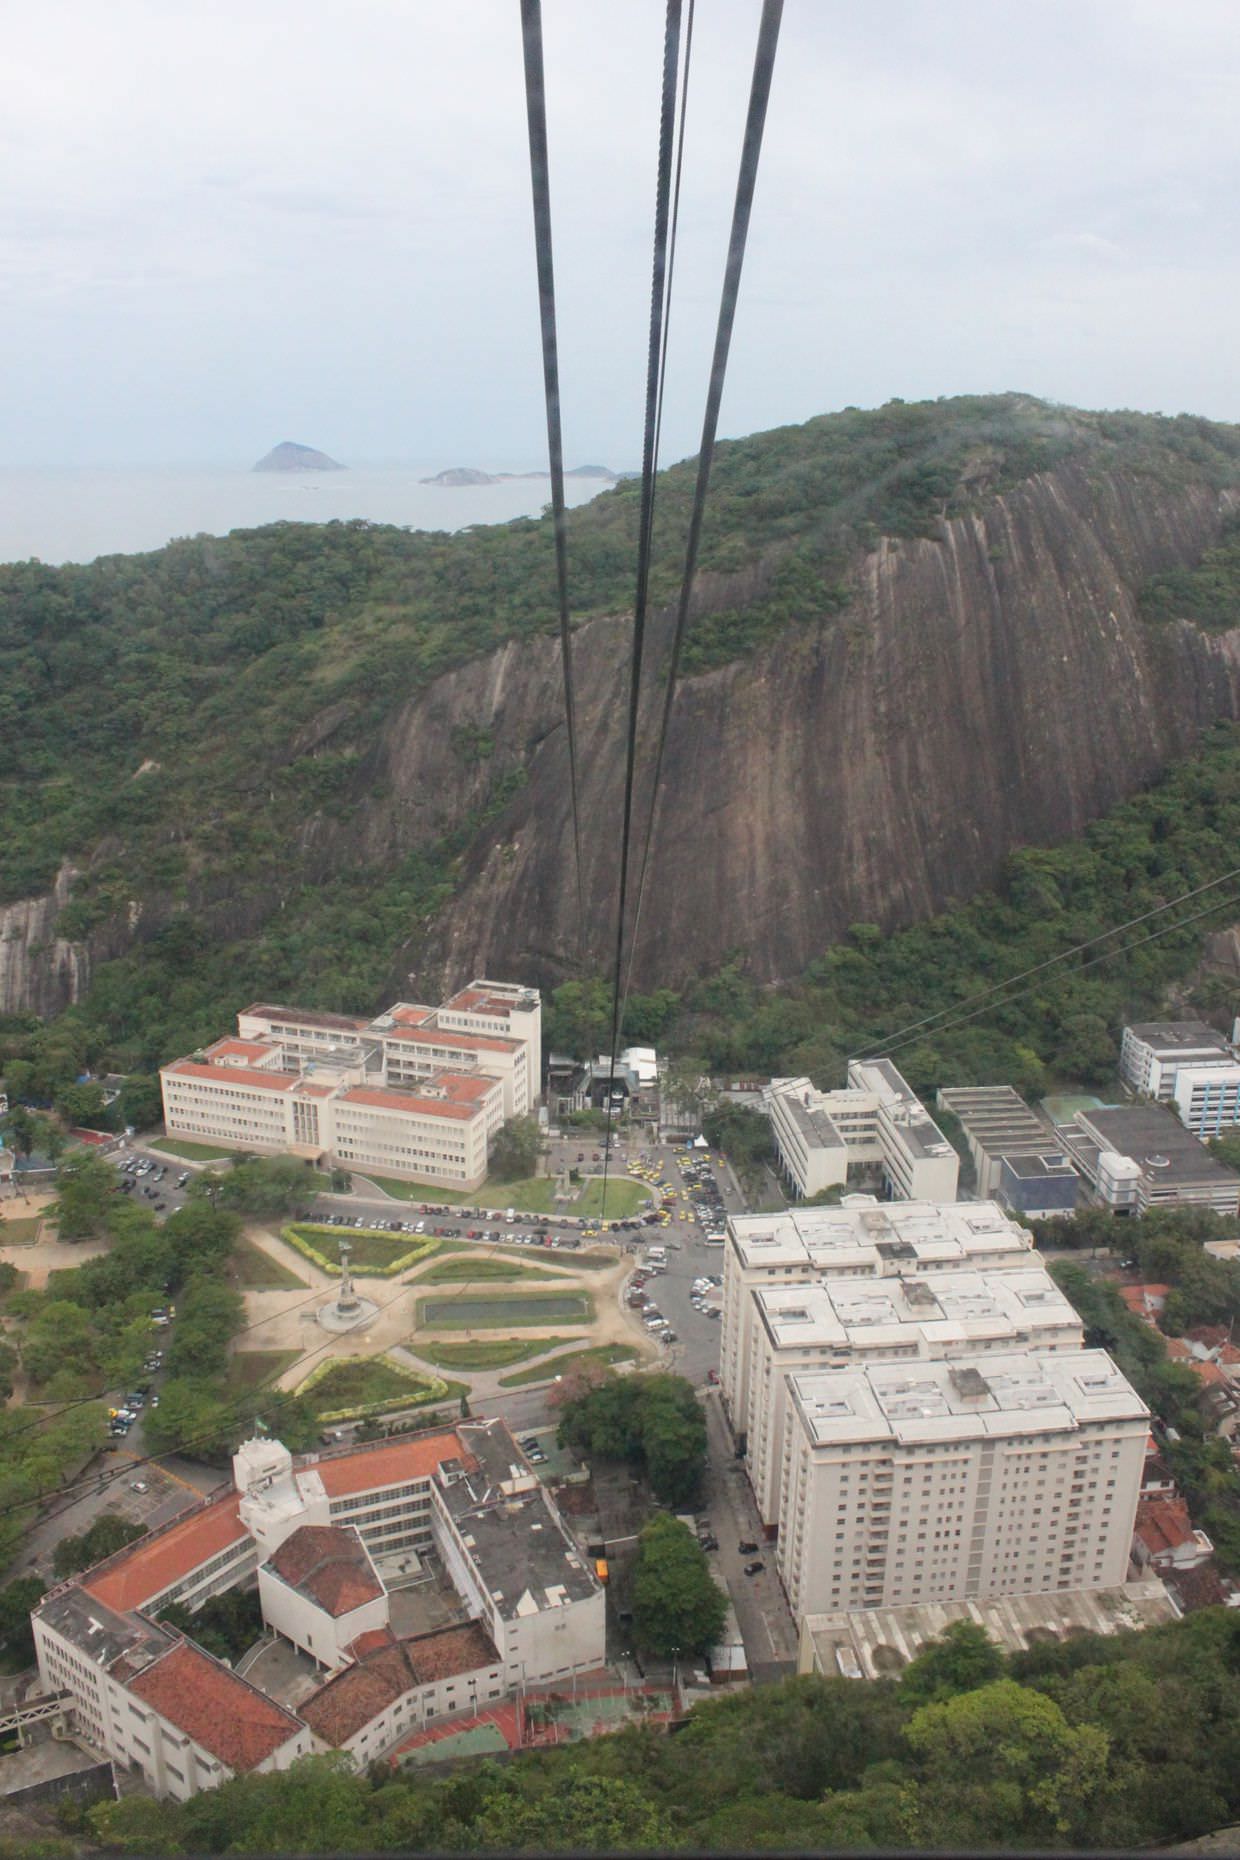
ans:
(1107, 955)
(928, 1020)
(540, 183)
(654, 360)
(759, 97)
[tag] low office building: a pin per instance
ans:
(1188, 1065)
(939, 1482)
(996, 1122)
(877, 1119)
(417, 1092)
(324, 1537)
(1137, 1157)
(862, 1238)
(1041, 1187)
(832, 1323)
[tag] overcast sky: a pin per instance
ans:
(223, 225)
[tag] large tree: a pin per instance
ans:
(515, 1150)
(678, 1607)
(85, 1185)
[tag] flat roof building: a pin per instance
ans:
(1188, 1065)
(996, 1122)
(1137, 1157)
(877, 1119)
(933, 1482)
(861, 1238)
(938, 1316)
(1037, 1188)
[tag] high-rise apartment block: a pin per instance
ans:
(937, 1481)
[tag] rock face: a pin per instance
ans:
(990, 687)
(290, 457)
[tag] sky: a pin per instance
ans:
(230, 224)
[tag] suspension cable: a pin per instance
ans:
(536, 113)
(654, 376)
(875, 1048)
(759, 97)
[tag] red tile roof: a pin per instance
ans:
(1163, 1524)
(327, 1563)
(147, 1568)
(233, 1048)
(393, 1463)
(406, 1101)
(431, 1035)
(234, 1075)
(410, 1015)
(346, 1704)
(222, 1713)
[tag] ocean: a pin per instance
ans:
(76, 514)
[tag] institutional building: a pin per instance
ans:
(330, 1541)
(1137, 1157)
(877, 1119)
(832, 1323)
(996, 1122)
(417, 1092)
(863, 1239)
(1185, 1064)
(936, 1482)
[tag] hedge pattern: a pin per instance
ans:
(433, 1388)
(298, 1238)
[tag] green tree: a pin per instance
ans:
(106, 1535)
(962, 1659)
(678, 1608)
(85, 1185)
(83, 1104)
(17, 1599)
(515, 1149)
(263, 1185)
(141, 1101)
(590, 1813)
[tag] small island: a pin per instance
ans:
(469, 474)
(461, 474)
(290, 457)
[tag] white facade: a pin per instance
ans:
(832, 1323)
(931, 1482)
(1207, 1099)
(418, 1092)
(876, 1119)
(1152, 1054)
(861, 1238)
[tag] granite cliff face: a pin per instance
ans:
(990, 686)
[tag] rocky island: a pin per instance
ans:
(288, 456)
(469, 474)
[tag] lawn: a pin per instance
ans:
(536, 1195)
(367, 1382)
(485, 1352)
(498, 1311)
(253, 1270)
(369, 1251)
(549, 1258)
(21, 1232)
(253, 1369)
(604, 1354)
(467, 1270)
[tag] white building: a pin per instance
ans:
(319, 1536)
(1140, 1156)
(996, 1122)
(417, 1092)
(935, 1482)
(876, 1119)
(861, 1238)
(1153, 1053)
(831, 1323)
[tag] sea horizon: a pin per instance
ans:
(62, 514)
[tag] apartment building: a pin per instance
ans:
(937, 1482)
(876, 1119)
(401, 1095)
(862, 1238)
(326, 1538)
(832, 1323)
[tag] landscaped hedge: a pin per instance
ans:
(433, 1388)
(297, 1237)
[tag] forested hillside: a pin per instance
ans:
(303, 758)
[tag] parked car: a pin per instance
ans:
(754, 1569)
(745, 1548)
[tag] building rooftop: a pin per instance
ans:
(497, 998)
(328, 1564)
(506, 1521)
(428, 1033)
(894, 1236)
(458, 1095)
(308, 1017)
(1029, 1168)
(934, 1312)
(355, 1470)
(220, 1712)
(1177, 1036)
(228, 1074)
(384, 1672)
(1156, 1139)
(918, 1129)
(875, 1643)
(103, 1634)
(992, 1395)
(996, 1117)
(145, 1569)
